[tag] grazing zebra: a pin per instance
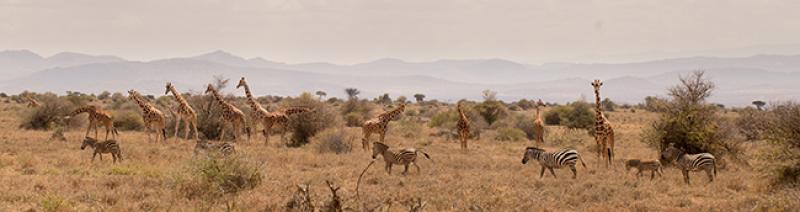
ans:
(100, 148)
(690, 162)
(551, 160)
(405, 156)
(653, 166)
(223, 148)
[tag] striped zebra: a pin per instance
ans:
(223, 148)
(405, 156)
(105, 147)
(553, 160)
(690, 162)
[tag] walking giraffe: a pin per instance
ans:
(259, 114)
(379, 125)
(463, 126)
(153, 118)
(32, 103)
(184, 112)
(96, 115)
(603, 132)
(538, 125)
(230, 115)
(280, 119)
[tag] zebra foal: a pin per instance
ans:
(105, 147)
(224, 148)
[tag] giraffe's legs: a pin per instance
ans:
(89, 128)
(96, 131)
(267, 131)
(365, 140)
(148, 129)
(283, 131)
(177, 126)
(194, 126)
(186, 129)
(222, 132)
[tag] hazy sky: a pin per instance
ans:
(351, 31)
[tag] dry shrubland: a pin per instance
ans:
(47, 175)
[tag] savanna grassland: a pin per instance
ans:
(41, 175)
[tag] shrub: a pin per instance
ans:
(553, 116)
(52, 109)
(784, 130)
(128, 120)
(576, 115)
(491, 110)
(305, 125)
(334, 140)
(690, 122)
(509, 134)
(751, 123)
(353, 119)
(212, 178)
(409, 129)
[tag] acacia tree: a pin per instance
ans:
(759, 104)
(352, 92)
(419, 97)
(321, 94)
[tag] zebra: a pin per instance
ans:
(690, 162)
(551, 160)
(654, 166)
(405, 156)
(100, 148)
(223, 148)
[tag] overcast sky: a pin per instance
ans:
(352, 31)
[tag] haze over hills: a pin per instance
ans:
(739, 80)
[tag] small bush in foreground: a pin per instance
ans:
(212, 178)
(333, 140)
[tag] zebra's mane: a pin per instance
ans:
(534, 148)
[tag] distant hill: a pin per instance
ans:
(739, 80)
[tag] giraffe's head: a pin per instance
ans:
(596, 84)
(241, 83)
(132, 94)
(210, 89)
(540, 103)
(169, 87)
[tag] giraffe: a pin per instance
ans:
(32, 103)
(153, 118)
(230, 115)
(463, 126)
(280, 119)
(185, 112)
(603, 132)
(538, 125)
(259, 114)
(379, 125)
(97, 114)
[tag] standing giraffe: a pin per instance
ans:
(32, 103)
(538, 125)
(97, 115)
(230, 115)
(153, 118)
(603, 132)
(280, 119)
(184, 112)
(379, 125)
(259, 114)
(463, 126)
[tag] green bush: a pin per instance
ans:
(491, 111)
(751, 123)
(409, 128)
(334, 140)
(691, 123)
(509, 134)
(128, 120)
(354, 119)
(210, 179)
(576, 115)
(305, 125)
(50, 112)
(783, 129)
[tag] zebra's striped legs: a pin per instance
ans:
(574, 172)
(405, 170)
(415, 165)
(686, 176)
(553, 172)
(710, 175)
(541, 174)
(388, 168)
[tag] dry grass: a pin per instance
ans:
(58, 176)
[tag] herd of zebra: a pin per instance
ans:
(406, 157)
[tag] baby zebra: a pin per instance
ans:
(223, 148)
(690, 162)
(405, 156)
(648, 165)
(109, 146)
(551, 160)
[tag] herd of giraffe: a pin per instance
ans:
(233, 117)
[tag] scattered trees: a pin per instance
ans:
(419, 97)
(352, 93)
(759, 104)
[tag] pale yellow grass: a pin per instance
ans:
(39, 175)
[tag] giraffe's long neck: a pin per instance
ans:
(290, 111)
(219, 98)
(462, 116)
(250, 100)
(178, 97)
(598, 109)
(538, 112)
(142, 104)
(388, 116)
(84, 109)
